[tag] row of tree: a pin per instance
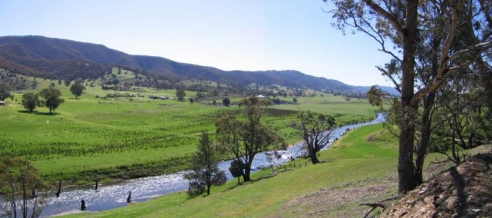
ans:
(244, 136)
(50, 97)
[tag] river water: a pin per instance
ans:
(115, 195)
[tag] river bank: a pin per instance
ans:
(109, 196)
(366, 157)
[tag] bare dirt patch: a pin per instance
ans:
(341, 201)
(462, 191)
(459, 191)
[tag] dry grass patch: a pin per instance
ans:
(340, 201)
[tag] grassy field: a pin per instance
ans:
(363, 158)
(359, 168)
(123, 137)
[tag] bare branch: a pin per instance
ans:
(475, 48)
(458, 110)
(449, 39)
(386, 73)
(392, 19)
(452, 70)
(383, 49)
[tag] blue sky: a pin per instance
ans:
(226, 34)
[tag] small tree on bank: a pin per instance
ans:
(316, 132)
(237, 169)
(19, 181)
(205, 171)
(246, 136)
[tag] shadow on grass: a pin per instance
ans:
(38, 113)
(256, 180)
(281, 169)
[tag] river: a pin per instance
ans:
(114, 195)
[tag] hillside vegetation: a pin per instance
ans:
(65, 59)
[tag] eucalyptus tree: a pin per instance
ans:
(461, 117)
(30, 101)
(4, 91)
(245, 135)
(316, 132)
(427, 43)
(51, 98)
(180, 94)
(77, 89)
(19, 181)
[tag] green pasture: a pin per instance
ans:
(92, 134)
(353, 110)
(364, 155)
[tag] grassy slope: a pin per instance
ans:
(357, 157)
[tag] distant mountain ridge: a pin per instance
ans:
(61, 58)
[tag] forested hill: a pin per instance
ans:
(66, 59)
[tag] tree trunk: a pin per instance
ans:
(453, 146)
(406, 170)
(208, 188)
(247, 172)
(470, 140)
(425, 138)
(312, 155)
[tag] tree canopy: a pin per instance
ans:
(205, 172)
(226, 102)
(316, 132)
(237, 169)
(30, 101)
(432, 41)
(51, 98)
(180, 94)
(77, 89)
(19, 180)
(245, 136)
(4, 91)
